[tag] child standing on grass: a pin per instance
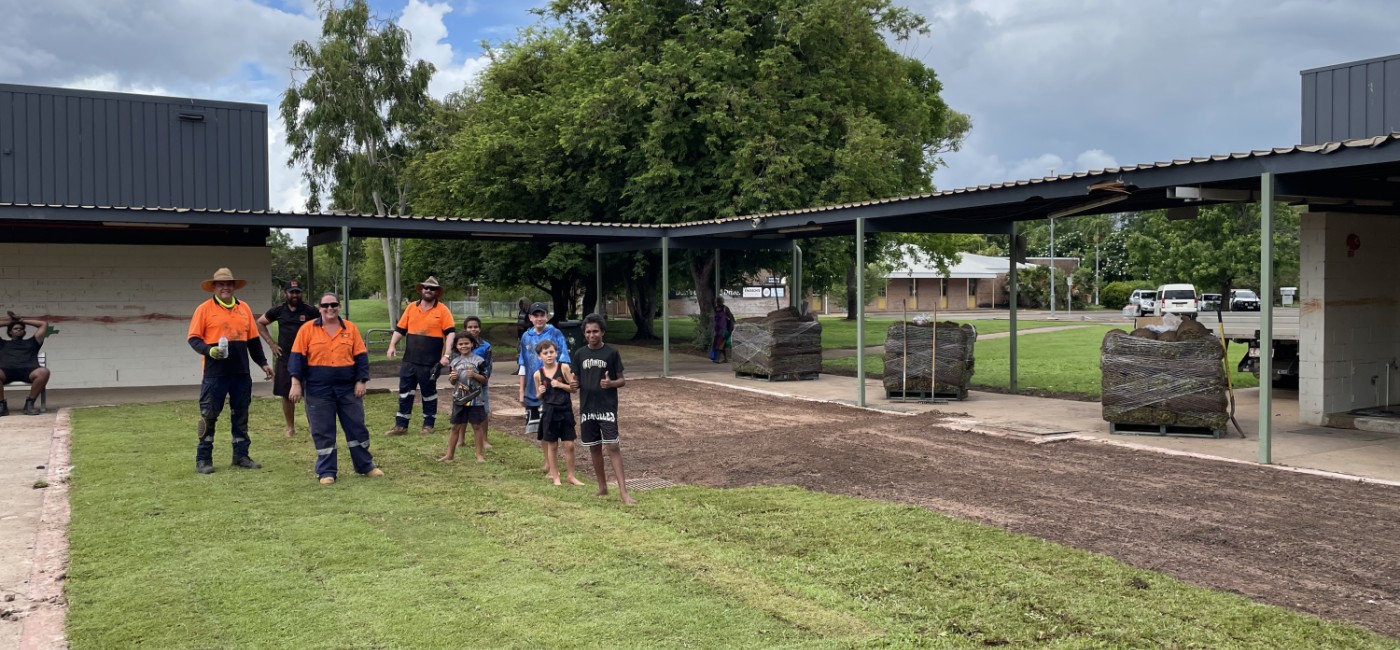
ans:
(467, 380)
(597, 380)
(472, 325)
(554, 386)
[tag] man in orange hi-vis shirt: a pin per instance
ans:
(430, 329)
(224, 332)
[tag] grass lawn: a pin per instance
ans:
(1057, 362)
(489, 556)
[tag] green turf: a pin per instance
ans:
(1065, 361)
(489, 556)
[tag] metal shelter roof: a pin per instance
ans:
(1356, 175)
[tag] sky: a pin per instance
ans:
(1062, 85)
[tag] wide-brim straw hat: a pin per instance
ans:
(223, 275)
(431, 282)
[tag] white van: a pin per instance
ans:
(1143, 301)
(1179, 299)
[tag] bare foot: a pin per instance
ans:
(602, 492)
(480, 459)
(291, 432)
(556, 481)
(488, 445)
(574, 480)
(446, 459)
(627, 499)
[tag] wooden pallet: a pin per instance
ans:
(918, 395)
(795, 376)
(1177, 430)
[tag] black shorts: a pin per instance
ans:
(281, 377)
(597, 432)
(13, 375)
(557, 425)
(463, 414)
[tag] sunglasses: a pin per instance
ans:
(329, 305)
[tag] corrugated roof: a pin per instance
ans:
(275, 213)
(1324, 148)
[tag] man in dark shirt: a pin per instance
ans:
(289, 317)
(224, 332)
(19, 361)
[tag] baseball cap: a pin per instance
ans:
(293, 286)
(539, 306)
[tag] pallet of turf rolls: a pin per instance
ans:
(910, 360)
(1166, 380)
(784, 345)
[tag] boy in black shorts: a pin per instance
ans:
(467, 387)
(597, 380)
(555, 386)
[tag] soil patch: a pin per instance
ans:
(1323, 546)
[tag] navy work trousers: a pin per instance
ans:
(238, 390)
(413, 376)
(326, 404)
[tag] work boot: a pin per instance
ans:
(4, 408)
(374, 473)
(396, 431)
(327, 480)
(203, 467)
(246, 463)
(30, 408)
(427, 430)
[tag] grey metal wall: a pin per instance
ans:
(1351, 100)
(76, 147)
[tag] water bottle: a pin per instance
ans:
(223, 347)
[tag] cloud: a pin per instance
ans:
(430, 43)
(1146, 81)
(189, 45)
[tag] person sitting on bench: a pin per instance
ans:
(19, 361)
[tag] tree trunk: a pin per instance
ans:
(641, 301)
(702, 274)
(851, 296)
(561, 295)
(590, 296)
(392, 287)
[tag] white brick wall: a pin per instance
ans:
(122, 311)
(1350, 313)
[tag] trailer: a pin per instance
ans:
(1243, 327)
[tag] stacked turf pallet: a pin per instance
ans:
(1171, 379)
(781, 345)
(909, 360)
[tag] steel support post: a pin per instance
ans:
(1266, 317)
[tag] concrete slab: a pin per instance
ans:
(24, 458)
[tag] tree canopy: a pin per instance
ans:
(663, 111)
(351, 112)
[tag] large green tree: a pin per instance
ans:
(663, 111)
(1216, 251)
(351, 115)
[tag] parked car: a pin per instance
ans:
(1243, 300)
(1210, 302)
(1179, 299)
(1143, 300)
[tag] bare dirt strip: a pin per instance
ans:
(1320, 545)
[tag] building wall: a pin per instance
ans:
(122, 311)
(1349, 319)
(81, 147)
(923, 294)
(1352, 100)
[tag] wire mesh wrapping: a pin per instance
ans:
(909, 358)
(781, 345)
(1152, 382)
